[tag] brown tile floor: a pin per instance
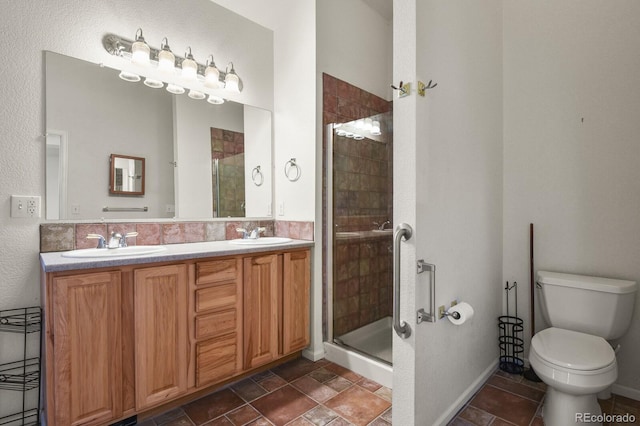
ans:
(298, 393)
(304, 393)
(507, 399)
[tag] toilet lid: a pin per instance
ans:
(571, 349)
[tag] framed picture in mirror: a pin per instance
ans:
(126, 175)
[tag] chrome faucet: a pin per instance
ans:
(251, 235)
(381, 225)
(117, 240)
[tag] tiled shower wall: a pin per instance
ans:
(228, 148)
(362, 195)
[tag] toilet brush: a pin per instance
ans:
(530, 374)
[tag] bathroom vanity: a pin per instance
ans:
(138, 335)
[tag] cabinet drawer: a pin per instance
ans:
(216, 297)
(216, 324)
(216, 359)
(217, 271)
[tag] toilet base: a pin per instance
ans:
(561, 409)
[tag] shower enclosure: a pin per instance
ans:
(359, 236)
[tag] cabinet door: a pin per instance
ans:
(87, 351)
(261, 308)
(161, 334)
(295, 297)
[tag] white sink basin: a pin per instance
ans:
(120, 251)
(262, 241)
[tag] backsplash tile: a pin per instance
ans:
(83, 229)
(69, 236)
(57, 237)
(149, 234)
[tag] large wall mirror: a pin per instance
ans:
(199, 158)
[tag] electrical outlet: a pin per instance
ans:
(281, 209)
(25, 206)
(75, 208)
(268, 209)
(170, 208)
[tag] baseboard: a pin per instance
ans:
(451, 412)
(313, 355)
(626, 391)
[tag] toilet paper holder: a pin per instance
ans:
(454, 314)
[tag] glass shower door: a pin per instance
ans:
(361, 213)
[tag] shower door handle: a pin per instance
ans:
(401, 327)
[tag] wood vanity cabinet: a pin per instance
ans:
(217, 325)
(276, 303)
(84, 334)
(161, 341)
(122, 341)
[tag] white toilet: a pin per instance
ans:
(573, 357)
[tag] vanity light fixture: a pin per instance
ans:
(231, 80)
(140, 50)
(172, 69)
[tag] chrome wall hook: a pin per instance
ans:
(422, 88)
(404, 89)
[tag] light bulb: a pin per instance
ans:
(189, 66)
(153, 83)
(368, 124)
(175, 89)
(359, 124)
(211, 75)
(358, 137)
(140, 50)
(231, 80)
(375, 128)
(129, 76)
(195, 94)
(166, 58)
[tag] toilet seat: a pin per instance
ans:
(572, 362)
(572, 350)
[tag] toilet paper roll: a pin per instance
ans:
(464, 309)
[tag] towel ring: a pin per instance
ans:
(288, 167)
(256, 176)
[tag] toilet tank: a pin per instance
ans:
(598, 306)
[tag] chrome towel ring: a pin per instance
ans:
(289, 168)
(256, 176)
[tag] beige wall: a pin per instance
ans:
(571, 148)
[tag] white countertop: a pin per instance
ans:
(55, 262)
